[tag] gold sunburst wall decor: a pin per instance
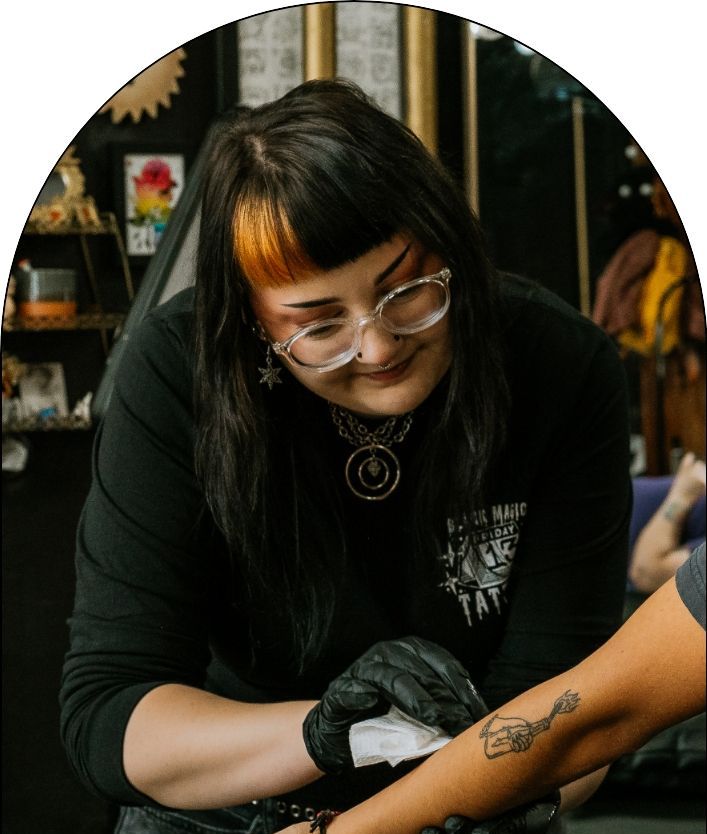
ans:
(154, 86)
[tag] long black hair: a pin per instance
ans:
(319, 178)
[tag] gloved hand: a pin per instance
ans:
(534, 818)
(419, 677)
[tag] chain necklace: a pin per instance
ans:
(373, 469)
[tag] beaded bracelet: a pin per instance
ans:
(320, 822)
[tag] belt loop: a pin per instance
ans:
(281, 813)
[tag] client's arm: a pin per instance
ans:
(658, 553)
(650, 675)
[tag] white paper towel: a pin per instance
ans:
(393, 738)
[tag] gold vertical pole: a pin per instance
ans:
(580, 203)
(420, 62)
(319, 41)
(471, 117)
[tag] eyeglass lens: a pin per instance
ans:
(409, 311)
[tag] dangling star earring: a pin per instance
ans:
(270, 375)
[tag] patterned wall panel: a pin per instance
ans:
(270, 56)
(368, 44)
(368, 50)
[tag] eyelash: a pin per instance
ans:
(382, 291)
(321, 317)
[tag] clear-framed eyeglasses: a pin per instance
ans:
(409, 308)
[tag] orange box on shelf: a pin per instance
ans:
(46, 294)
(47, 310)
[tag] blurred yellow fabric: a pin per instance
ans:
(670, 266)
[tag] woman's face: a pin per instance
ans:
(416, 362)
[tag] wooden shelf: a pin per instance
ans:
(95, 316)
(82, 321)
(106, 225)
(30, 424)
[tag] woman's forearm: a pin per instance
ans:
(648, 676)
(468, 778)
(186, 748)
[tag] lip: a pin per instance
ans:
(392, 373)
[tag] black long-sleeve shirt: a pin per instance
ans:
(520, 592)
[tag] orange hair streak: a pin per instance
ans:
(265, 245)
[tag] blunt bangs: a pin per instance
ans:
(269, 253)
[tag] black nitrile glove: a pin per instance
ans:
(534, 818)
(419, 677)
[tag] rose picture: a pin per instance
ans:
(153, 183)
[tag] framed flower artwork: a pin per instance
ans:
(149, 184)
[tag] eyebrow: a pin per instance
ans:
(320, 302)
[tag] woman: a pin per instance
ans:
(351, 464)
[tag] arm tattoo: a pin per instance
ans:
(673, 511)
(513, 735)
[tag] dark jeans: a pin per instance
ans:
(262, 817)
(256, 818)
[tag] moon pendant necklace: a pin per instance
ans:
(373, 470)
